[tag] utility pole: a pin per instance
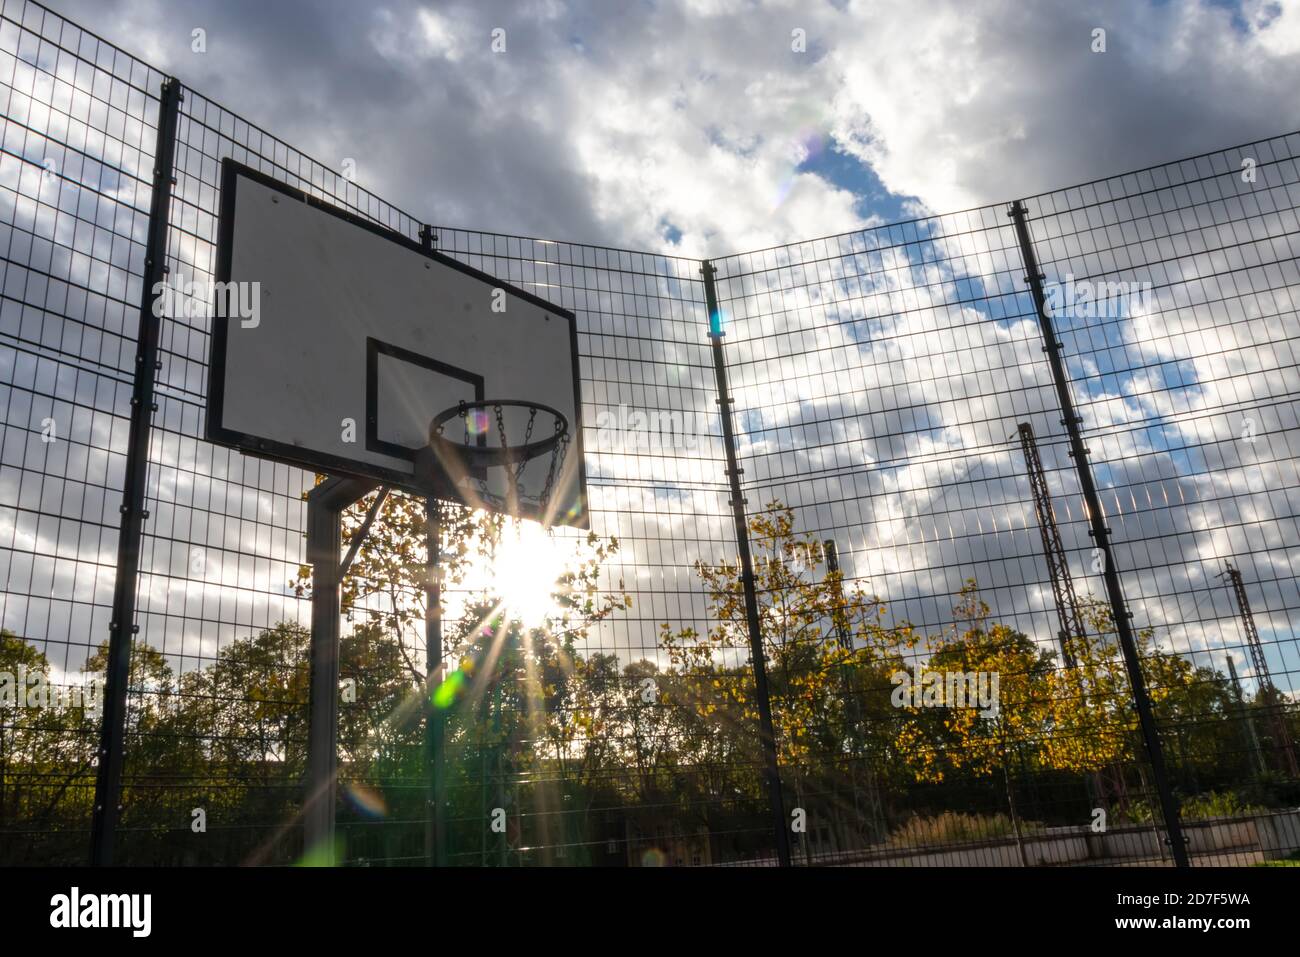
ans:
(1267, 691)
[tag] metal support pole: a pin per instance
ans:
(435, 840)
(435, 724)
(766, 736)
(1101, 536)
(325, 504)
(499, 771)
(122, 626)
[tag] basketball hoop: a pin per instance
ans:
(509, 458)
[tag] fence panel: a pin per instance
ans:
(913, 509)
(79, 122)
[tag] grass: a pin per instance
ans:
(1291, 860)
(954, 827)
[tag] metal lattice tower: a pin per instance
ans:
(1268, 692)
(833, 566)
(1109, 782)
(874, 813)
(1067, 602)
(1252, 739)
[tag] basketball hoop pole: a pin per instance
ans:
(325, 506)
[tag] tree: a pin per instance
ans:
(981, 740)
(828, 652)
(969, 737)
(1094, 721)
(46, 764)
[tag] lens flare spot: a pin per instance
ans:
(715, 322)
(476, 422)
(783, 189)
(653, 858)
(446, 693)
(813, 144)
(365, 801)
(806, 146)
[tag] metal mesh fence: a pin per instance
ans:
(79, 126)
(882, 376)
(911, 499)
(885, 377)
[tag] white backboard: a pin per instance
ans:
(355, 337)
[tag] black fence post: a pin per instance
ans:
(1101, 536)
(767, 738)
(435, 725)
(122, 626)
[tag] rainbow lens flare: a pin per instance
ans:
(476, 421)
(366, 801)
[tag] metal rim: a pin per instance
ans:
(483, 457)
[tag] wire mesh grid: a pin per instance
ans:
(889, 388)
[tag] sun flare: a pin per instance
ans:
(526, 569)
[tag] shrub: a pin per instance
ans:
(954, 827)
(1200, 807)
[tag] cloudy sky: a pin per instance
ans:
(705, 128)
(712, 126)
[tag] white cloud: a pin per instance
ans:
(1276, 26)
(605, 122)
(619, 123)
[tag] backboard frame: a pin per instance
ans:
(376, 348)
(327, 462)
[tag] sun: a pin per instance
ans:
(526, 570)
